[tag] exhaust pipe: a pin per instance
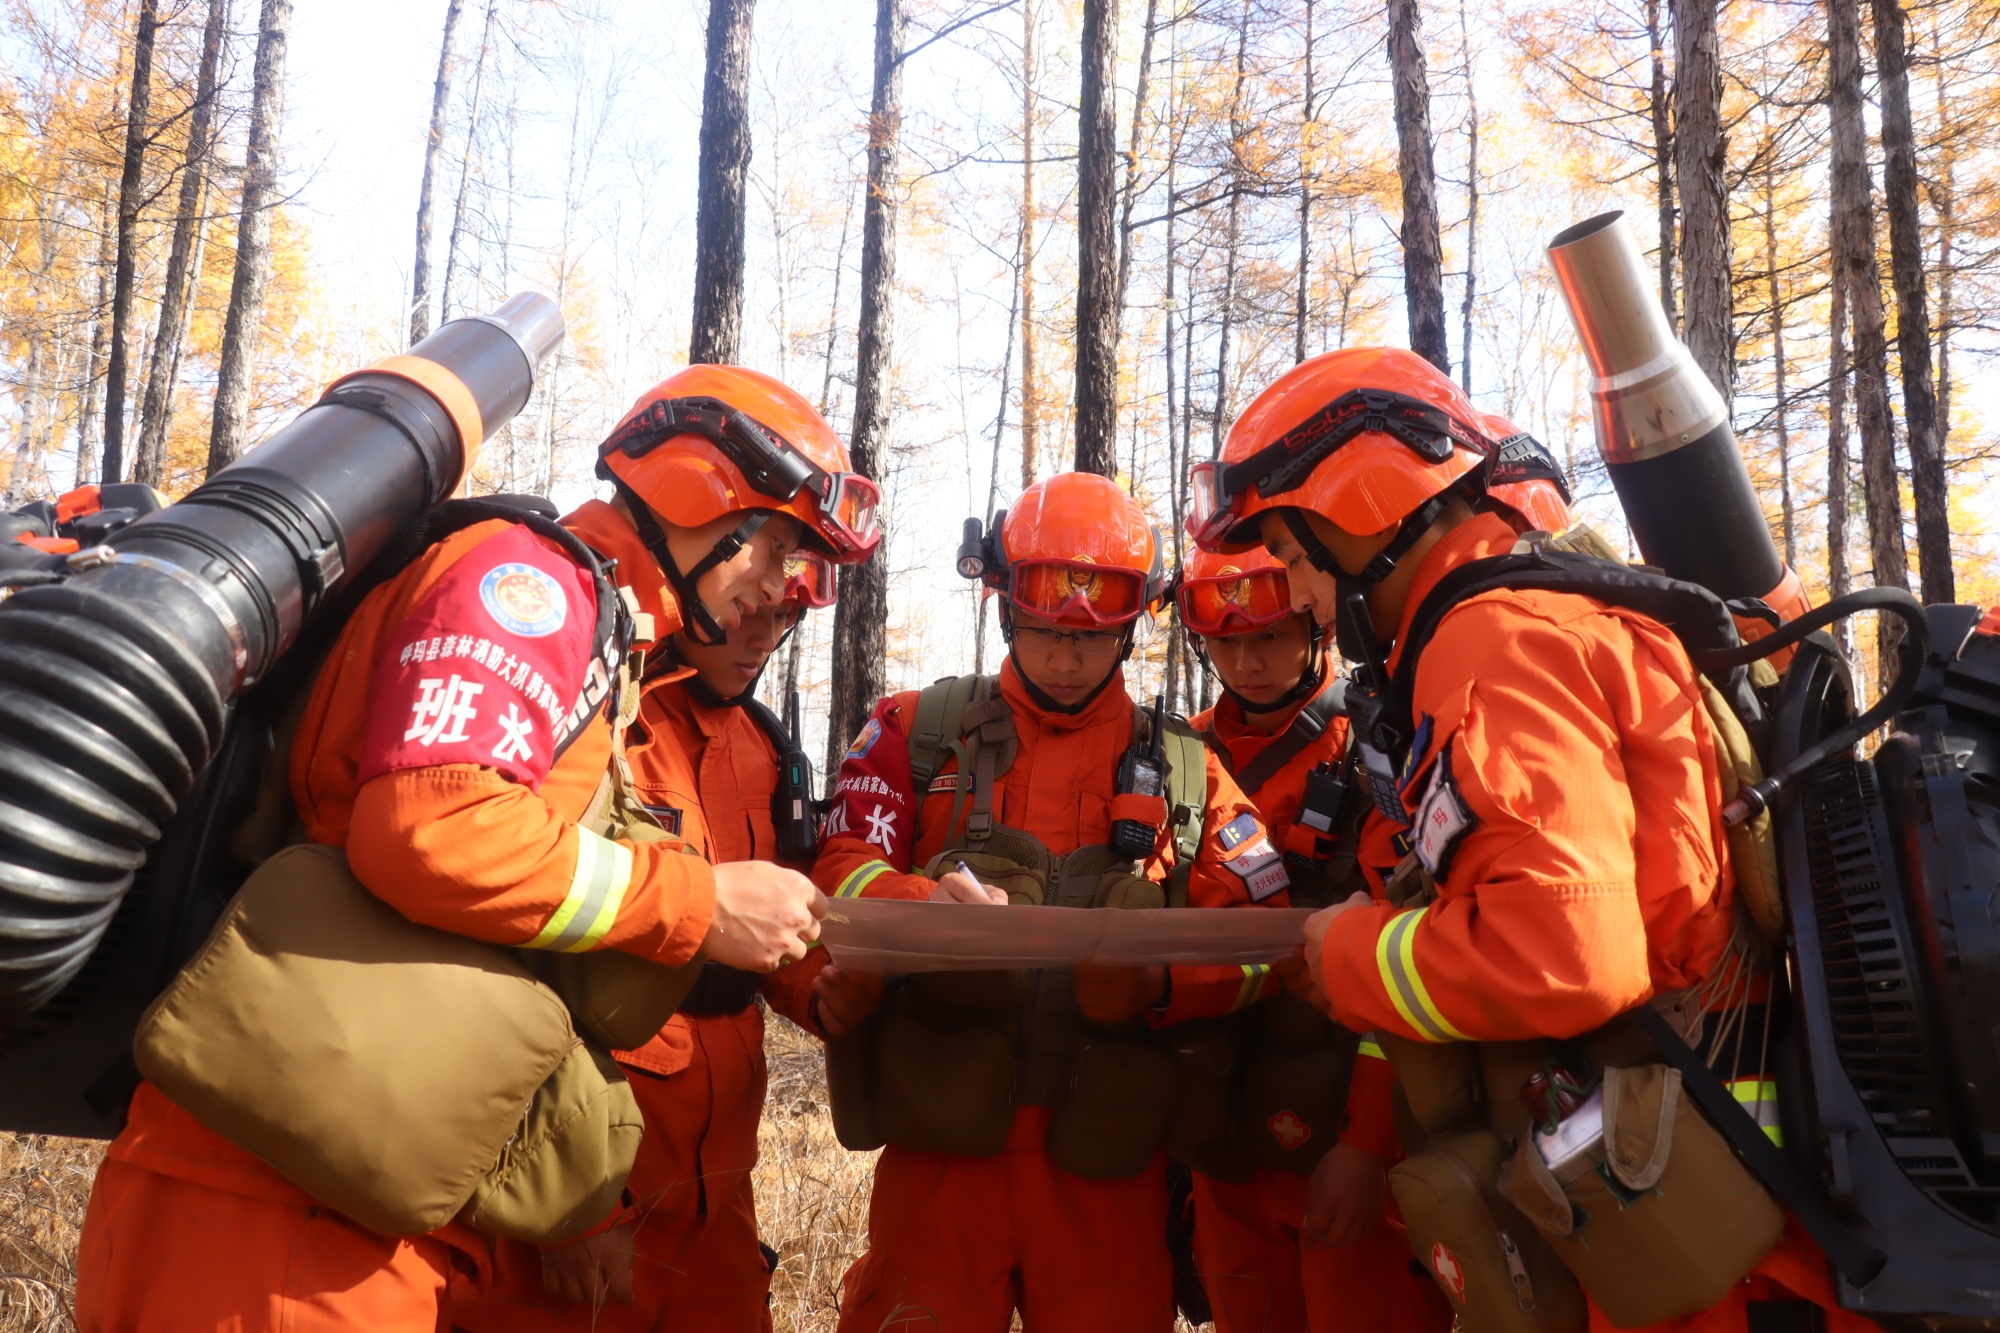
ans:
(115, 682)
(1662, 429)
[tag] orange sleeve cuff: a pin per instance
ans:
(1351, 976)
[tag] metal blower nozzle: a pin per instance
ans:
(1649, 396)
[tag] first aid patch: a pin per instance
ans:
(523, 600)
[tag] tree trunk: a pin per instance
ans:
(724, 169)
(1031, 388)
(1131, 191)
(130, 182)
(1944, 199)
(1838, 475)
(1423, 246)
(833, 313)
(1854, 261)
(1701, 163)
(1097, 245)
(88, 421)
(1913, 325)
(1308, 123)
(178, 293)
(1239, 130)
(465, 171)
(1663, 161)
(993, 476)
(1175, 645)
(860, 616)
(1471, 206)
(1778, 408)
(253, 239)
(420, 271)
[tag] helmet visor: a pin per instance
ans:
(809, 580)
(1077, 591)
(1234, 602)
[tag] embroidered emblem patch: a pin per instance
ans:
(1442, 819)
(523, 600)
(1445, 1264)
(1236, 830)
(866, 740)
(1290, 1131)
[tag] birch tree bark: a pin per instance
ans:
(860, 616)
(1913, 324)
(465, 162)
(253, 239)
(138, 106)
(1423, 246)
(183, 273)
(723, 174)
(1700, 172)
(1097, 245)
(1855, 268)
(420, 270)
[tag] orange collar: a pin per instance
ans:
(1229, 723)
(612, 536)
(1475, 539)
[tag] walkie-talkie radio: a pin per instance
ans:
(1142, 772)
(794, 814)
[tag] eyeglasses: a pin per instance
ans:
(1089, 642)
(846, 501)
(1429, 432)
(1076, 589)
(1234, 602)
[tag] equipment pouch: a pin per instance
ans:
(1656, 1216)
(617, 999)
(565, 1168)
(1292, 1104)
(380, 1065)
(1440, 1081)
(944, 1076)
(1115, 1116)
(1490, 1261)
(1200, 1131)
(1024, 886)
(1124, 890)
(850, 1088)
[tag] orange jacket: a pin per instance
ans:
(1059, 789)
(1369, 1122)
(1546, 724)
(487, 849)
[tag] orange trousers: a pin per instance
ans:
(1794, 1270)
(1259, 1280)
(957, 1244)
(696, 1261)
(167, 1255)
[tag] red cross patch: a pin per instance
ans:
(1289, 1130)
(1445, 1264)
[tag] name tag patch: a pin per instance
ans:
(1259, 866)
(1442, 820)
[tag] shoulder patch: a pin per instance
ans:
(1442, 819)
(523, 600)
(866, 740)
(1236, 830)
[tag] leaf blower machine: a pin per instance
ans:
(1888, 862)
(130, 667)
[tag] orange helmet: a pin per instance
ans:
(1074, 549)
(1363, 436)
(1542, 501)
(1219, 594)
(717, 440)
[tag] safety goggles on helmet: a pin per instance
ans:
(809, 580)
(1429, 432)
(845, 501)
(1076, 590)
(1234, 602)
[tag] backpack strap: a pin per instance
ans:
(1307, 726)
(938, 724)
(1187, 795)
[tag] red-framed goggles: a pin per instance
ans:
(810, 580)
(1234, 603)
(846, 501)
(1217, 486)
(1076, 590)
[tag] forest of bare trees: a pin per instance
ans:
(997, 238)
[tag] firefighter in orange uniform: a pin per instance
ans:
(1279, 728)
(987, 1220)
(440, 747)
(1560, 787)
(704, 755)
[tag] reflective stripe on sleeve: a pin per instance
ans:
(1395, 955)
(863, 875)
(1759, 1097)
(1253, 985)
(596, 892)
(1370, 1048)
